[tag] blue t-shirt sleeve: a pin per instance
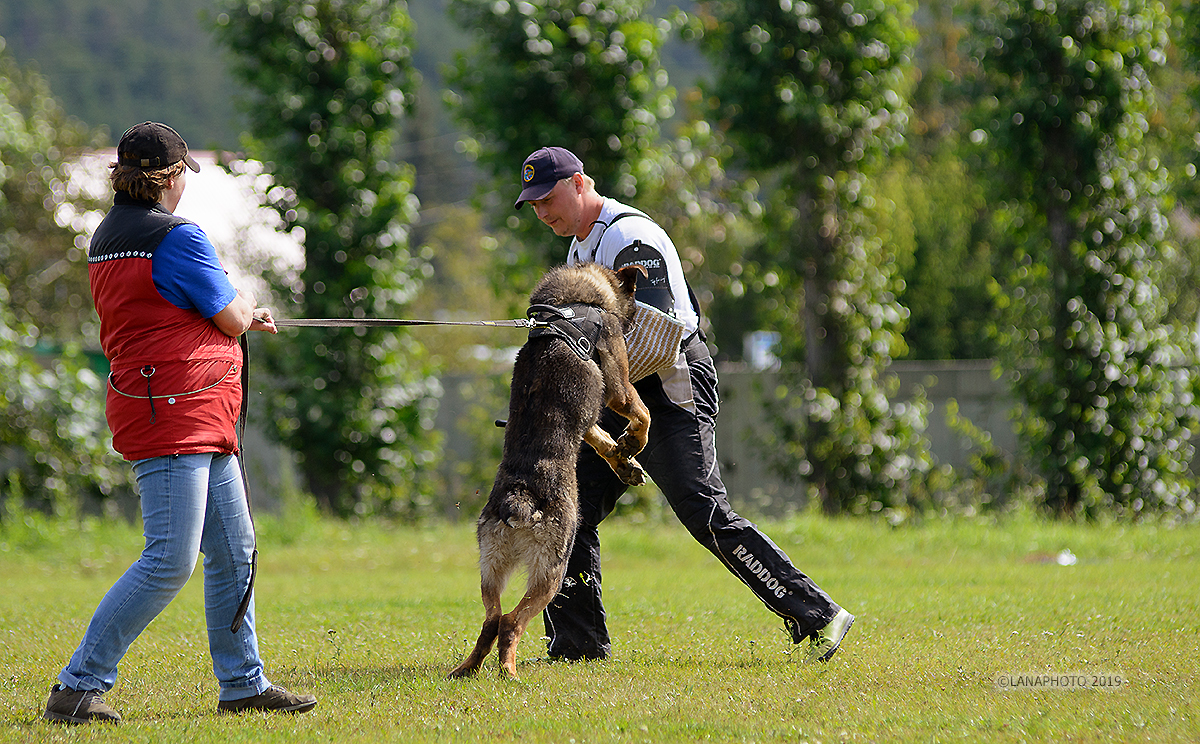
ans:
(188, 273)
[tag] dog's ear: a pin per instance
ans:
(628, 276)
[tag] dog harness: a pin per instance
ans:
(577, 324)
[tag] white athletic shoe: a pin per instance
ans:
(828, 639)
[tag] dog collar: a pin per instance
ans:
(577, 324)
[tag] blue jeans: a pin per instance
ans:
(190, 504)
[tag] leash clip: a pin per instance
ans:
(559, 313)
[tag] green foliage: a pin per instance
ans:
(54, 440)
(712, 219)
(858, 453)
(53, 436)
(947, 276)
(1187, 21)
(475, 361)
(580, 75)
(813, 93)
(331, 79)
(1067, 93)
(1179, 115)
(43, 263)
(459, 289)
(993, 480)
(812, 87)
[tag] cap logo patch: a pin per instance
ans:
(527, 173)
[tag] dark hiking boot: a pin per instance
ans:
(828, 639)
(274, 698)
(78, 706)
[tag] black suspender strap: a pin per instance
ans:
(622, 215)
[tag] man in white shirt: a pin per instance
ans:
(681, 453)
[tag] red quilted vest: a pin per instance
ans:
(175, 386)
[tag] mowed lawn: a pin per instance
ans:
(371, 618)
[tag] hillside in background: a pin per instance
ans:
(113, 63)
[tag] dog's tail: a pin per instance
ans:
(517, 509)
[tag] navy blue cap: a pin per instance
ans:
(543, 169)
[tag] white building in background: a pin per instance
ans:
(230, 207)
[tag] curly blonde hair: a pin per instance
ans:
(141, 184)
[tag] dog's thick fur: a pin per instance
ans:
(556, 398)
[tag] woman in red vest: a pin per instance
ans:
(169, 324)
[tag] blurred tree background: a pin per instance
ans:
(43, 263)
(1065, 107)
(113, 64)
(330, 81)
(874, 180)
(586, 76)
(814, 95)
(54, 450)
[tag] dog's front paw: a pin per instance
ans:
(630, 472)
(627, 447)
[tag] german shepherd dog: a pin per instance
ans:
(556, 398)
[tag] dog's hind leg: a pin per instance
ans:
(487, 636)
(513, 625)
(495, 568)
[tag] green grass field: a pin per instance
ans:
(370, 618)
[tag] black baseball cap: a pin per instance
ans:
(151, 146)
(543, 169)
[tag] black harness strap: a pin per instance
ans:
(577, 324)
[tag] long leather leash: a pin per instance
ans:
(384, 322)
(244, 605)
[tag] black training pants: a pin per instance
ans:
(681, 457)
